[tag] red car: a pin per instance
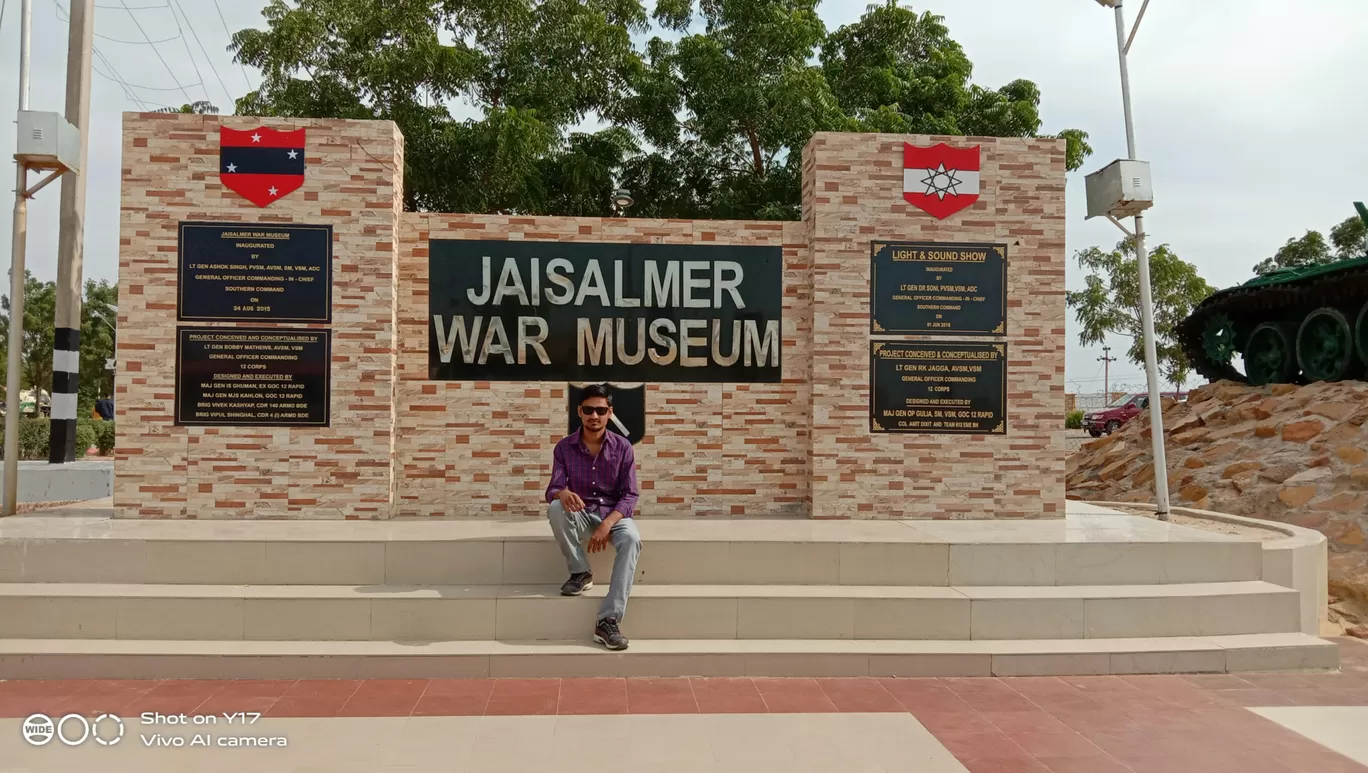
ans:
(1110, 419)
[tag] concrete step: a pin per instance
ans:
(699, 551)
(114, 659)
(539, 612)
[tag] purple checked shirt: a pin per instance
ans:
(607, 482)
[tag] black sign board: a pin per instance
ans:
(938, 388)
(252, 377)
(629, 410)
(935, 288)
(254, 271)
(593, 312)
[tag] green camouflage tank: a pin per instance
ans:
(1294, 325)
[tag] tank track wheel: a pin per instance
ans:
(1325, 345)
(1270, 355)
(1361, 335)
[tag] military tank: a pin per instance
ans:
(1294, 325)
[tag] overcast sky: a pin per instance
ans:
(1250, 112)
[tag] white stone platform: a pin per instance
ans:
(83, 594)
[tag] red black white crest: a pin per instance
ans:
(261, 164)
(940, 180)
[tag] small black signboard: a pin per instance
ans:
(938, 288)
(938, 388)
(629, 410)
(252, 377)
(254, 271)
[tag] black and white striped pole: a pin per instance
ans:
(66, 341)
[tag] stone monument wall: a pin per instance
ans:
(401, 444)
(353, 182)
(851, 197)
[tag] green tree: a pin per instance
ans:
(98, 321)
(706, 120)
(1350, 238)
(40, 307)
(533, 69)
(198, 108)
(898, 71)
(1110, 302)
(1309, 250)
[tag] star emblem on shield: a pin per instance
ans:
(941, 180)
(261, 164)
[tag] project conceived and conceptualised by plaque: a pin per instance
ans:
(938, 288)
(253, 377)
(231, 272)
(938, 388)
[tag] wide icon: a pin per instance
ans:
(941, 180)
(262, 165)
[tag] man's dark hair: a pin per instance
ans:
(596, 390)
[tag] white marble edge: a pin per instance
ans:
(1081, 525)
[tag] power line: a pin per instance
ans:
(134, 42)
(193, 63)
(113, 74)
(224, 22)
(146, 37)
(214, 69)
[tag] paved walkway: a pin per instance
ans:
(1252, 723)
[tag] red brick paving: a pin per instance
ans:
(1092, 724)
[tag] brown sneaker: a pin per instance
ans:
(578, 583)
(608, 634)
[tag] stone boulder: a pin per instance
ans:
(1294, 454)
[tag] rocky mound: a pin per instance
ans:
(1285, 453)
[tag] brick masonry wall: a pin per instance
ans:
(401, 445)
(353, 181)
(476, 448)
(853, 195)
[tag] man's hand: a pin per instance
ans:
(570, 501)
(599, 540)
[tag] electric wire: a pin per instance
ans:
(224, 22)
(196, 36)
(162, 59)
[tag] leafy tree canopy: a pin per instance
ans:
(1348, 239)
(1110, 302)
(97, 337)
(700, 111)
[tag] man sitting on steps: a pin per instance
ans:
(592, 494)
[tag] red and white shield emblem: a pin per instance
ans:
(261, 164)
(940, 180)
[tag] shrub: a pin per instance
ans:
(33, 439)
(34, 435)
(85, 438)
(1073, 420)
(104, 436)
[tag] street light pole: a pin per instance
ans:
(1156, 407)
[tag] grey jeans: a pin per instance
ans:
(573, 530)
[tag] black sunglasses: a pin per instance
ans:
(595, 410)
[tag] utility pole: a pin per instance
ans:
(66, 346)
(17, 275)
(1107, 360)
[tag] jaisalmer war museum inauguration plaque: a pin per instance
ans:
(253, 271)
(938, 288)
(937, 387)
(578, 311)
(260, 377)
